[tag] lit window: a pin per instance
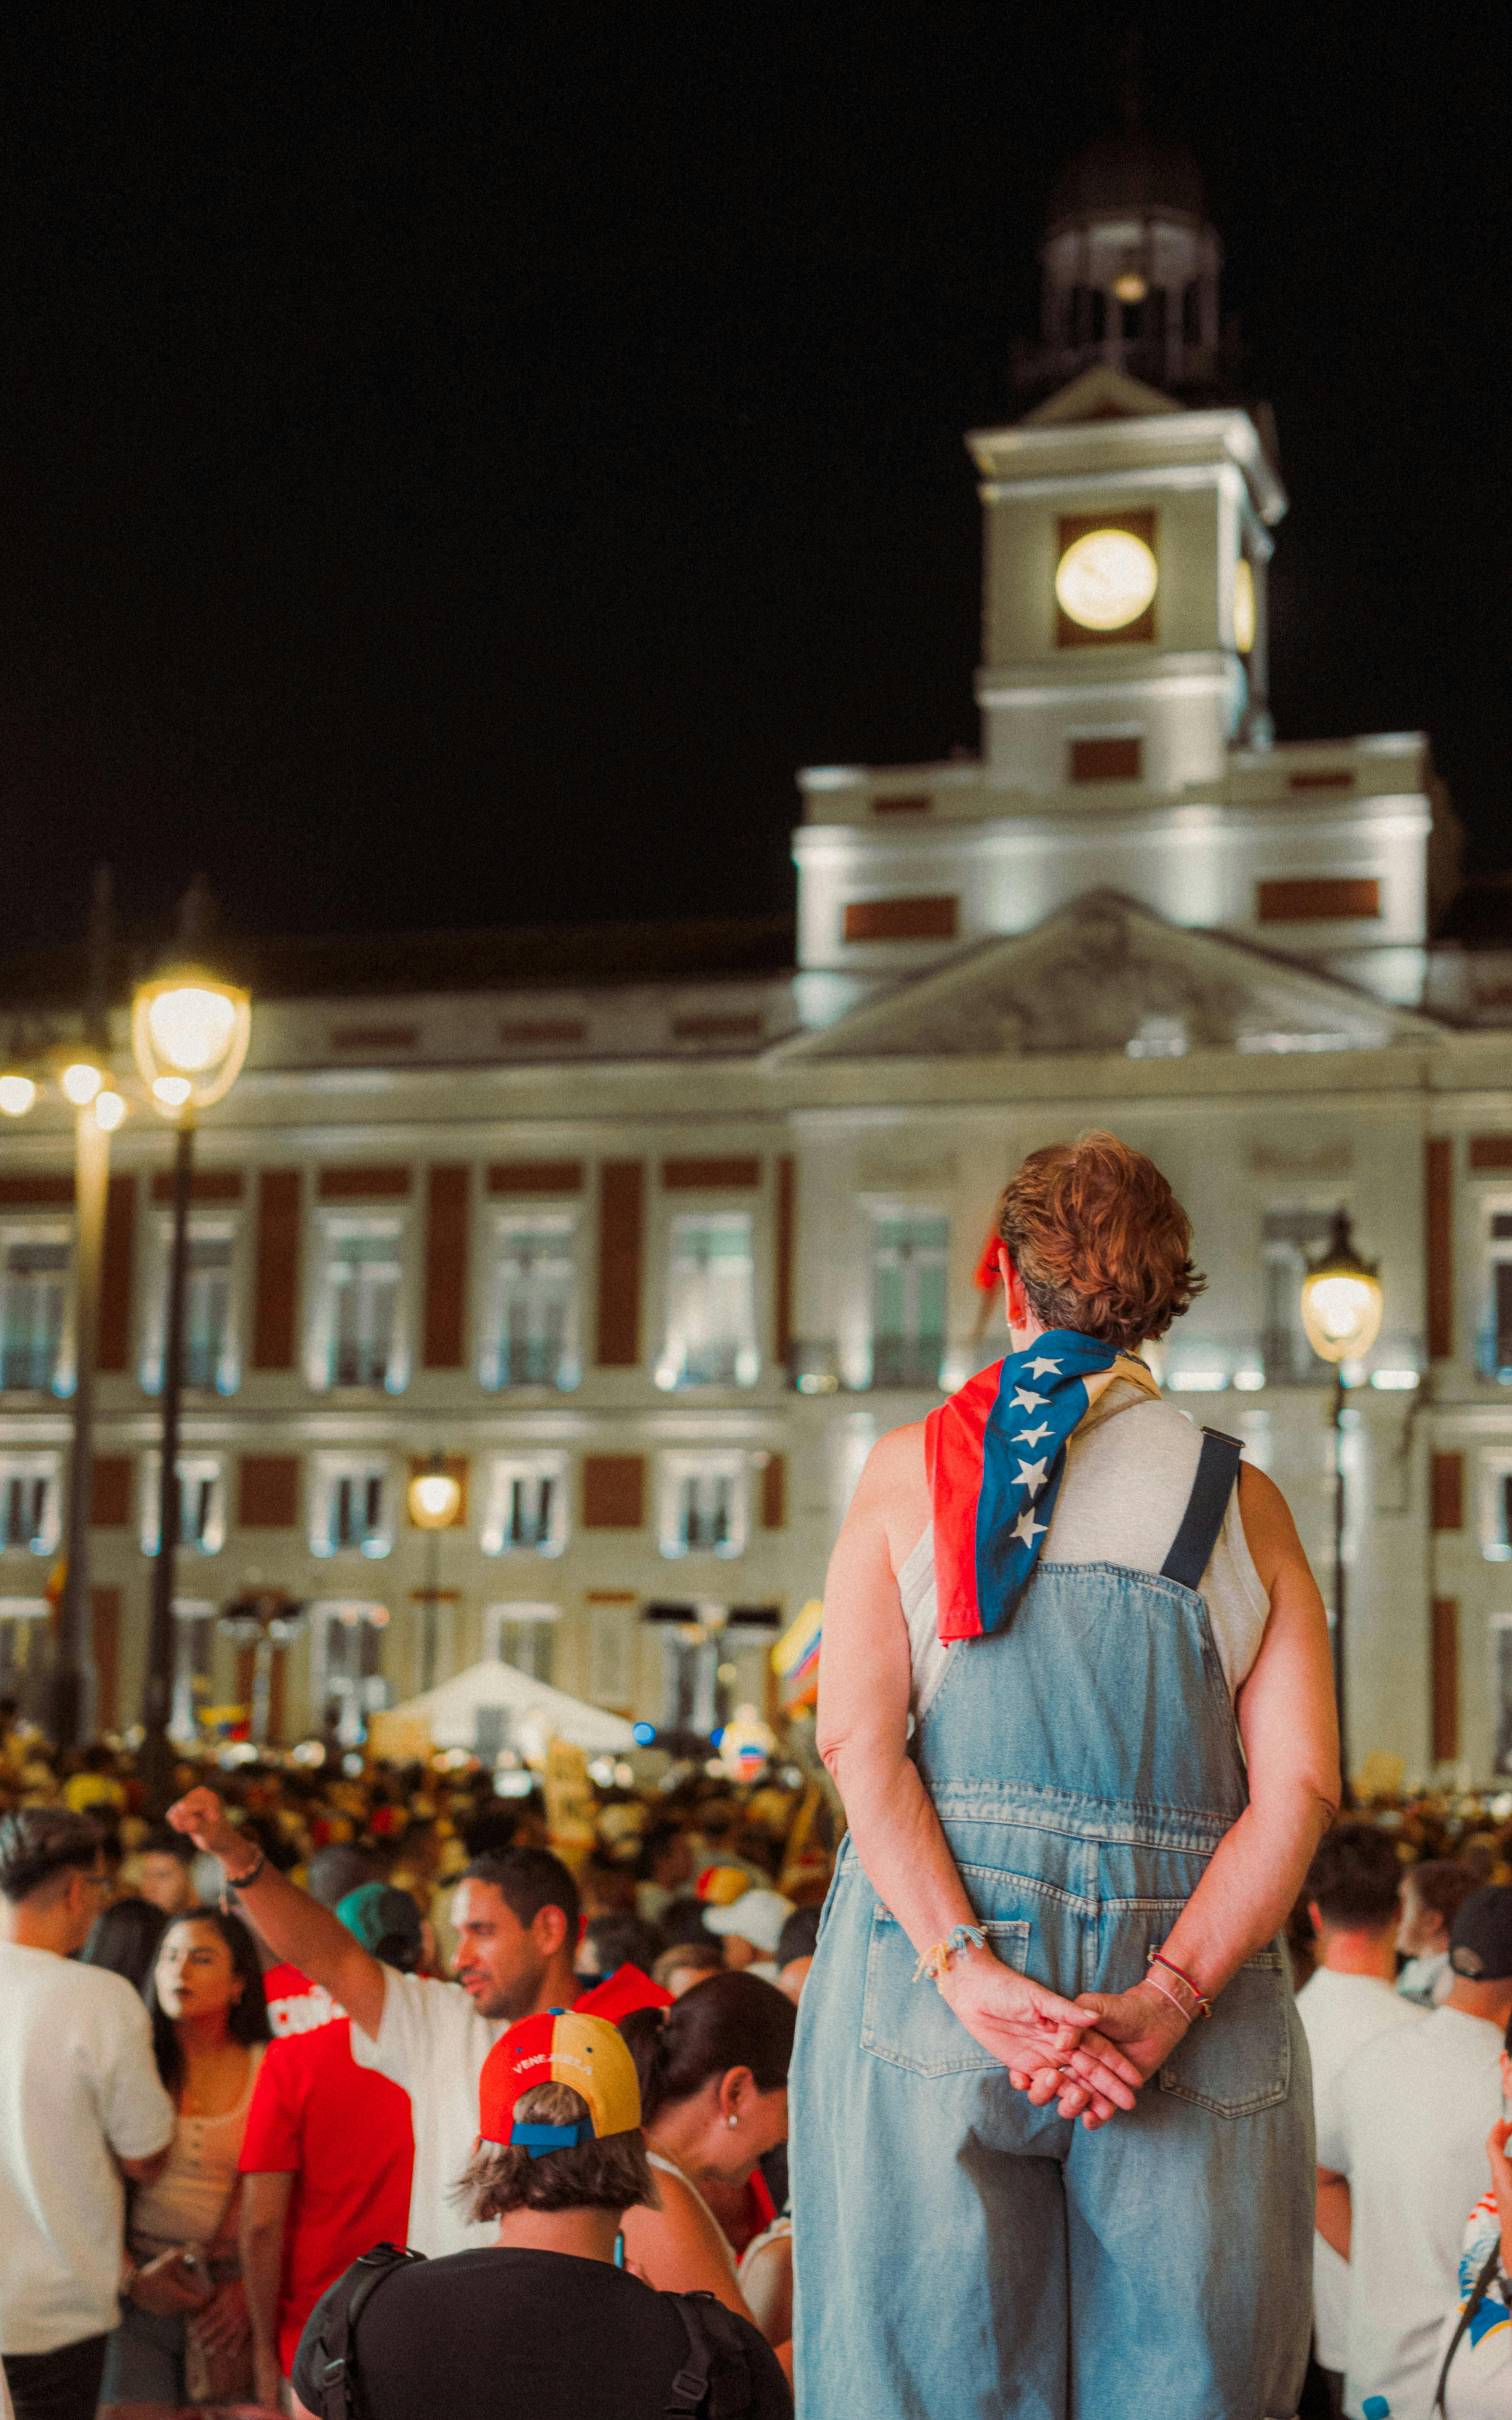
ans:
(703, 1504)
(201, 1503)
(1495, 1341)
(351, 1507)
(211, 1357)
(359, 1337)
(30, 1507)
(193, 1661)
(1290, 1239)
(347, 1681)
(711, 1304)
(526, 1508)
(33, 1309)
(910, 1260)
(530, 1337)
(522, 1636)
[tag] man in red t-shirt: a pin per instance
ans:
(329, 2148)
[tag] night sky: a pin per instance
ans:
(455, 466)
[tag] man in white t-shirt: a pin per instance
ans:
(81, 2104)
(1402, 2136)
(1353, 1886)
(514, 1913)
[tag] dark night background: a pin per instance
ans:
(454, 467)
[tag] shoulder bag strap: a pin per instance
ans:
(341, 2396)
(1206, 1509)
(1477, 2295)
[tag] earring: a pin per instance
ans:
(732, 2120)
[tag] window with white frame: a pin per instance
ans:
(1290, 1240)
(347, 1681)
(703, 1504)
(1495, 1522)
(711, 1303)
(201, 1503)
(211, 1358)
(352, 1504)
(24, 1649)
(1495, 1339)
(31, 1490)
(33, 1296)
(359, 1337)
(194, 1665)
(525, 1511)
(523, 1635)
(910, 1273)
(531, 1314)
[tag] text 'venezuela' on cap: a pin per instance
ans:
(558, 2047)
(1480, 1945)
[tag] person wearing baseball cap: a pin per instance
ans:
(1401, 2156)
(751, 1929)
(545, 2320)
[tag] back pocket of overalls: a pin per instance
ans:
(907, 2022)
(1238, 2060)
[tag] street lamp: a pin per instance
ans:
(435, 1500)
(1341, 1307)
(190, 1033)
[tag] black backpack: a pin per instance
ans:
(713, 2384)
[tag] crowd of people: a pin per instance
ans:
(241, 2049)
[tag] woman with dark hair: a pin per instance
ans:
(714, 2075)
(184, 2336)
(124, 1939)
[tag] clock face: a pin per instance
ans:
(1244, 607)
(1106, 580)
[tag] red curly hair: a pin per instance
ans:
(1100, 1241)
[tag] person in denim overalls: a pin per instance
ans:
(1045, 2183)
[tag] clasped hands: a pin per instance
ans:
(1089, 2056)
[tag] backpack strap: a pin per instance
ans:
(1473, 2301)
(715, 2380)
(341, 2396)
(1206, 1509)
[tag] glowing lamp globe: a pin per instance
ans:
(1341, 1299)
(17, 1094)
(80, 1082)
(110, 1109)
(434, 1499)
(190, 1033)
(1131, 286)
(1106, 580)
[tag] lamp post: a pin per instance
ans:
(190, 1033)
(1341, 1307)
(435, 1496)
(83, 1077)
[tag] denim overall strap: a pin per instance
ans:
(1206, 1510)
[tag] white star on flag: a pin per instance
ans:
(1025, 1402)
(1045, 1369)
(1032, 1437)
(1027, 1529)
(1030, 1475)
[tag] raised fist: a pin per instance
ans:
(203, 1817)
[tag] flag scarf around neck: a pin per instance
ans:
(995, 1455)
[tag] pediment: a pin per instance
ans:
(1100, 394)
(1105, 974)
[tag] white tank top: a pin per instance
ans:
(188, 2201)
(1129, 1471)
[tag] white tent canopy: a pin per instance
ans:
(506, 1700)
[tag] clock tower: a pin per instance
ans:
(1126, 735)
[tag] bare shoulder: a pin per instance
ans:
(893, 1493)
(1270, 1532)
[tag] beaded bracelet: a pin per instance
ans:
(936, 1962)
(1201, 2005)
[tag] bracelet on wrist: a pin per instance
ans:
(935, 1962)
(243, 1882)
(1178, 1988)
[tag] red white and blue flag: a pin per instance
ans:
(995, 1455)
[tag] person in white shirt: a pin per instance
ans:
(81, 2105)
(1402, 2136)
(1433, 1894)
(514, 1913)
(1352, 1886)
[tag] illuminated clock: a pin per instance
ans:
(1106, 578)
(1244, 607)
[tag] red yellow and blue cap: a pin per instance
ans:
(559, 2047)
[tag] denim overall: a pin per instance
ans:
(960, 2254)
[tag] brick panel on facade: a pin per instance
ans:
(621, 1218)
(710, 1175)
(1118, 759)
(268, 1493)
(205, 1184)
(902, 920)
(105, 1627)
(1445, 1660)
(1439, 1246)
(1320, 900)
(36, 1192)
(774, 1491)
(362, 1184)
(786, 1239)
(1489, 1152)
(446, 1270)
(116, 1273)
(1448, 1491)
(110, 1492)
(275, 1316)
(614, 1491)
(536, 1176)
